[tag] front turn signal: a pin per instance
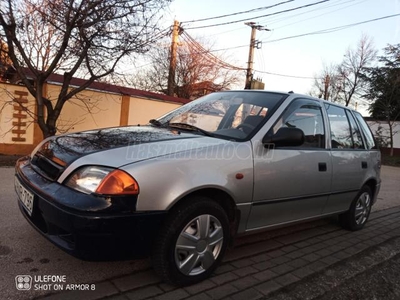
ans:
(118, 182)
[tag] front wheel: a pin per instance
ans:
(192, 242)
(356, 217)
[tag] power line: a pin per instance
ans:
(329, 30)
(323, 31)
(279, 18)
(284, 75)
(159, 35)
(215, 59)
(220, 33)
(272, 14)
(230, 48)
(207, 55)
(238, 13)
(317, 16)
(299, 14)
(225, 65)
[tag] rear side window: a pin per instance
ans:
(340, 128)
(307, 116)
(369, 138)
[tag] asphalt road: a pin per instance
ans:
(23, 251)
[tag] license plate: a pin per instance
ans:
(25, 196)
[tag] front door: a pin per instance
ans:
(292, 183)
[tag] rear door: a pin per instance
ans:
(292, 183)
(350, 158)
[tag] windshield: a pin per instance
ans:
(230, 115)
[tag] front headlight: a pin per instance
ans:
(103, 180)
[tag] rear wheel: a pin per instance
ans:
(192, 242)
(359, 211)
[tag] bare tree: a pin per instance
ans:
(153, 77)
(87, 37)
(327, 84)
(354, 63)
(198, 72)
(39, 37)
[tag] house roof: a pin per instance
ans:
(102, 86)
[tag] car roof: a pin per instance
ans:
(294, 95)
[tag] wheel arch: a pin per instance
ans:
(371, 183)
(219, 196)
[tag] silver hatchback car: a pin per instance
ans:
(181, 188)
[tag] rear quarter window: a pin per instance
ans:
(355, 132)
(369, 138)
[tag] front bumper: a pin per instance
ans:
(74, 223)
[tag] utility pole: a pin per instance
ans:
(326, 91)
(172, 62)
(253, 44)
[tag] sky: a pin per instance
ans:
(299, 57)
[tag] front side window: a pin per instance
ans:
(229, 115)
(305, 115)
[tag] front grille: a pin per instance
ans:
(46, 167)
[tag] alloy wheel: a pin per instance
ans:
(362, 209)
(198, 245)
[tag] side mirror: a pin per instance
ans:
(285, 137)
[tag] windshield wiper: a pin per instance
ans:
(156, 123)
(190, 127)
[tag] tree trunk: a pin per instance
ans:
(51, 124)
(41, 109)
(391, 138)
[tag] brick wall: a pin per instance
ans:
(20, 116)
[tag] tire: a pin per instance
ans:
(186, 252)
(360, 209)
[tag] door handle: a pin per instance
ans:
(322, 167)
(364, 165)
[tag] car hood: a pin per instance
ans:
(65, 149)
